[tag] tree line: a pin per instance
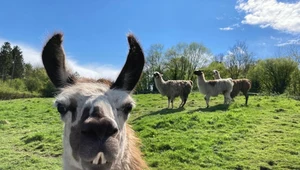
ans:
(20, 77)
(277, 74)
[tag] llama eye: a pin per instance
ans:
(127, 108)
(62, 109)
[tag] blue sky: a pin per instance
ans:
(95, 31)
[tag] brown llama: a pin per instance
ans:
(96, 134)
(243, 85)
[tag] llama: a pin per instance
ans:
(173, 88)
(96, 135)
(214, 87)
(243, 85)
(216, 74)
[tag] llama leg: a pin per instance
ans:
(184, 101)
(172, 102)
(231, 96)
(181, 104)
(227, 98)
(207, 100)
(169, 99)
(246, 96)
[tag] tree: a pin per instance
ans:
(17, 70)
(174, 56)
(188, 56)
(154, 62)
(290, 51)
(5, 60)
(155, 58)
(36, 80)
(219, 57)
(198, 56)
(177, 68)
(238, 60)
(28, 69)
(143, 85)
(215, 65)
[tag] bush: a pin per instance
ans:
(8, 91)
(48, 90)
(294, 87)
(18, 84)
(273, 75)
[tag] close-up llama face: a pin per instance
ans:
(94, 112)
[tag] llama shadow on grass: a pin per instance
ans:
(161, 112)
(222, 107)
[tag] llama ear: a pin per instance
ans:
(53, 57)
(132, 70)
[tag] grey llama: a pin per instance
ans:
(173, 88)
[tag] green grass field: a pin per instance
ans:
(263, 135)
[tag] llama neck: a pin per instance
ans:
(201, 78)
(159, 83)
(201, 82)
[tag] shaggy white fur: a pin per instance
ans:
(214, 87)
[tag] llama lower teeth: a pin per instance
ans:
(99, 159)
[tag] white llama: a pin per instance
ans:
(214, 87)
(94, 112)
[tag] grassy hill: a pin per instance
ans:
(263, 135)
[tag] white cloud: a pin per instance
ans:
(271, 13)
(236, 25)
(280, 41)
(229, 28)
(93, 71)
(226, 29)
(289, 42)
(219, 18)
(275, 38)
(33, 56)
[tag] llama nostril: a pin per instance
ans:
(89, 130)
(111, 131)
(102, 128)
(89, 133)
